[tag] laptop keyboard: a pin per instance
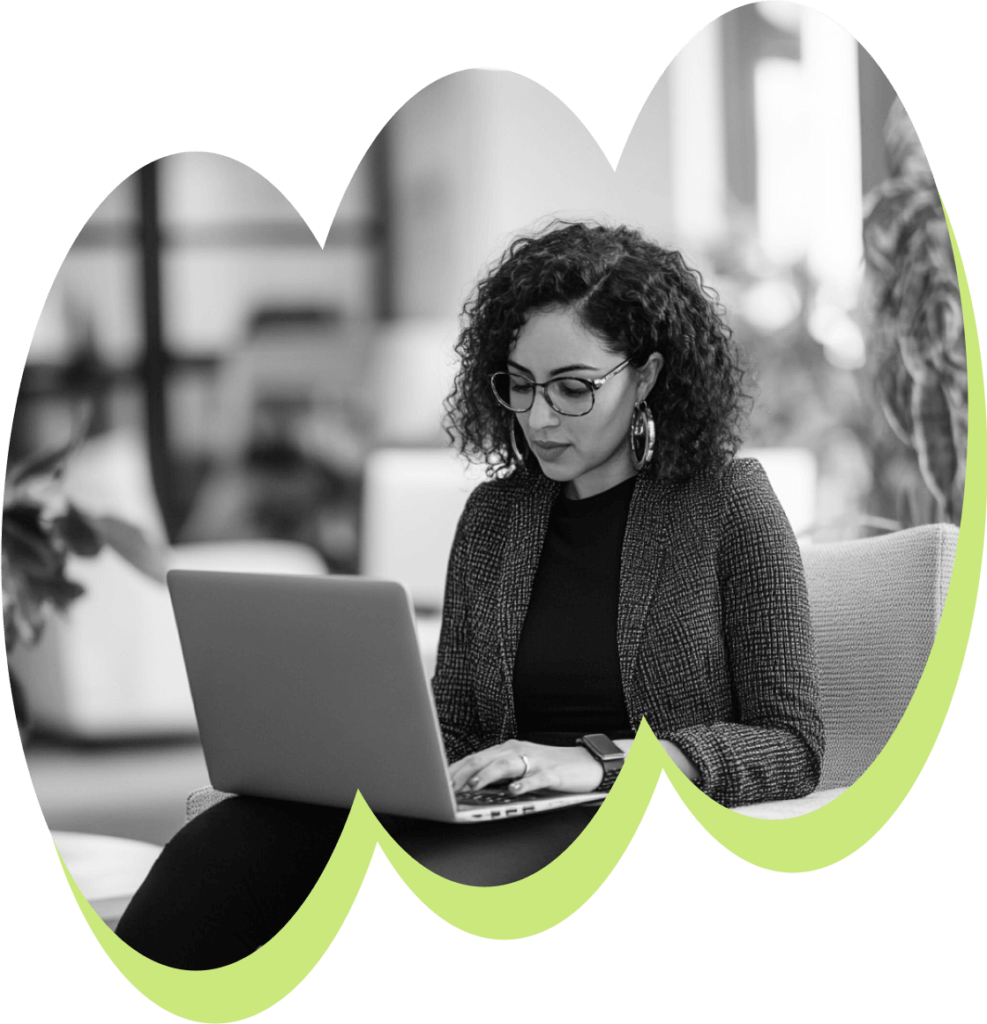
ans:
(493, 795)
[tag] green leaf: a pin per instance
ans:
(132, 545)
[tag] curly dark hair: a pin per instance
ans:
(638, 298)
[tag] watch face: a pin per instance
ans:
(601, 746)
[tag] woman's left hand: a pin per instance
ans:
(566, 769)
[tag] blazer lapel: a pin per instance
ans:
(646, 538)
(524, 537)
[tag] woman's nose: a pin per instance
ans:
(541, 413)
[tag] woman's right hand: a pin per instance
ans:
(564, 769)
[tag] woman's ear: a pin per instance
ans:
(648, 374)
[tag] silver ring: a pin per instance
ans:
(526, 767)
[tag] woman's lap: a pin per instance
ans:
(229, 880)
(234, 876)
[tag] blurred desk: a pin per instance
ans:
(108, 870)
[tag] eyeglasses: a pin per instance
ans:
(568, 396)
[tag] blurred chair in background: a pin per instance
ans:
(111, 667)
(414, 486)
(412, 501)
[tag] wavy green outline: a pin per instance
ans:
(540, 902)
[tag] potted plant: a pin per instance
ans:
(41, 529)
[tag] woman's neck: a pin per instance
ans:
(569, 491)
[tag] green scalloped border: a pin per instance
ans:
(540, 902)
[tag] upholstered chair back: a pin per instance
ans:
(876, 606)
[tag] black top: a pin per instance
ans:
(567, 669)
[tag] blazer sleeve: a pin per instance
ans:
(452, 685)
(773, 751)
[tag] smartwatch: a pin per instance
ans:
(610, 756)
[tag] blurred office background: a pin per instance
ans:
(247, 387)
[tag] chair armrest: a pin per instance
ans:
(876, 605)
(774, 809)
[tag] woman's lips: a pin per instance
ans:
(549, 450)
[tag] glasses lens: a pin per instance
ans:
(571, 396)
(513, 391)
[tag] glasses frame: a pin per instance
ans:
(595, 384)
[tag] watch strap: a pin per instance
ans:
(611, 763)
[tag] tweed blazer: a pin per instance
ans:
(714, 637)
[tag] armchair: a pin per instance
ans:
(876, 606)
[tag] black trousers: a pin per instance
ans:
(234, 876)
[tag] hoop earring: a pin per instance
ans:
(642, 436)
(514, 445)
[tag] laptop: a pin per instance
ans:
(309, 688)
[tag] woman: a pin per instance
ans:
(620, 565)
(615, 399)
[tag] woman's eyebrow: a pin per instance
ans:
(555, 372)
